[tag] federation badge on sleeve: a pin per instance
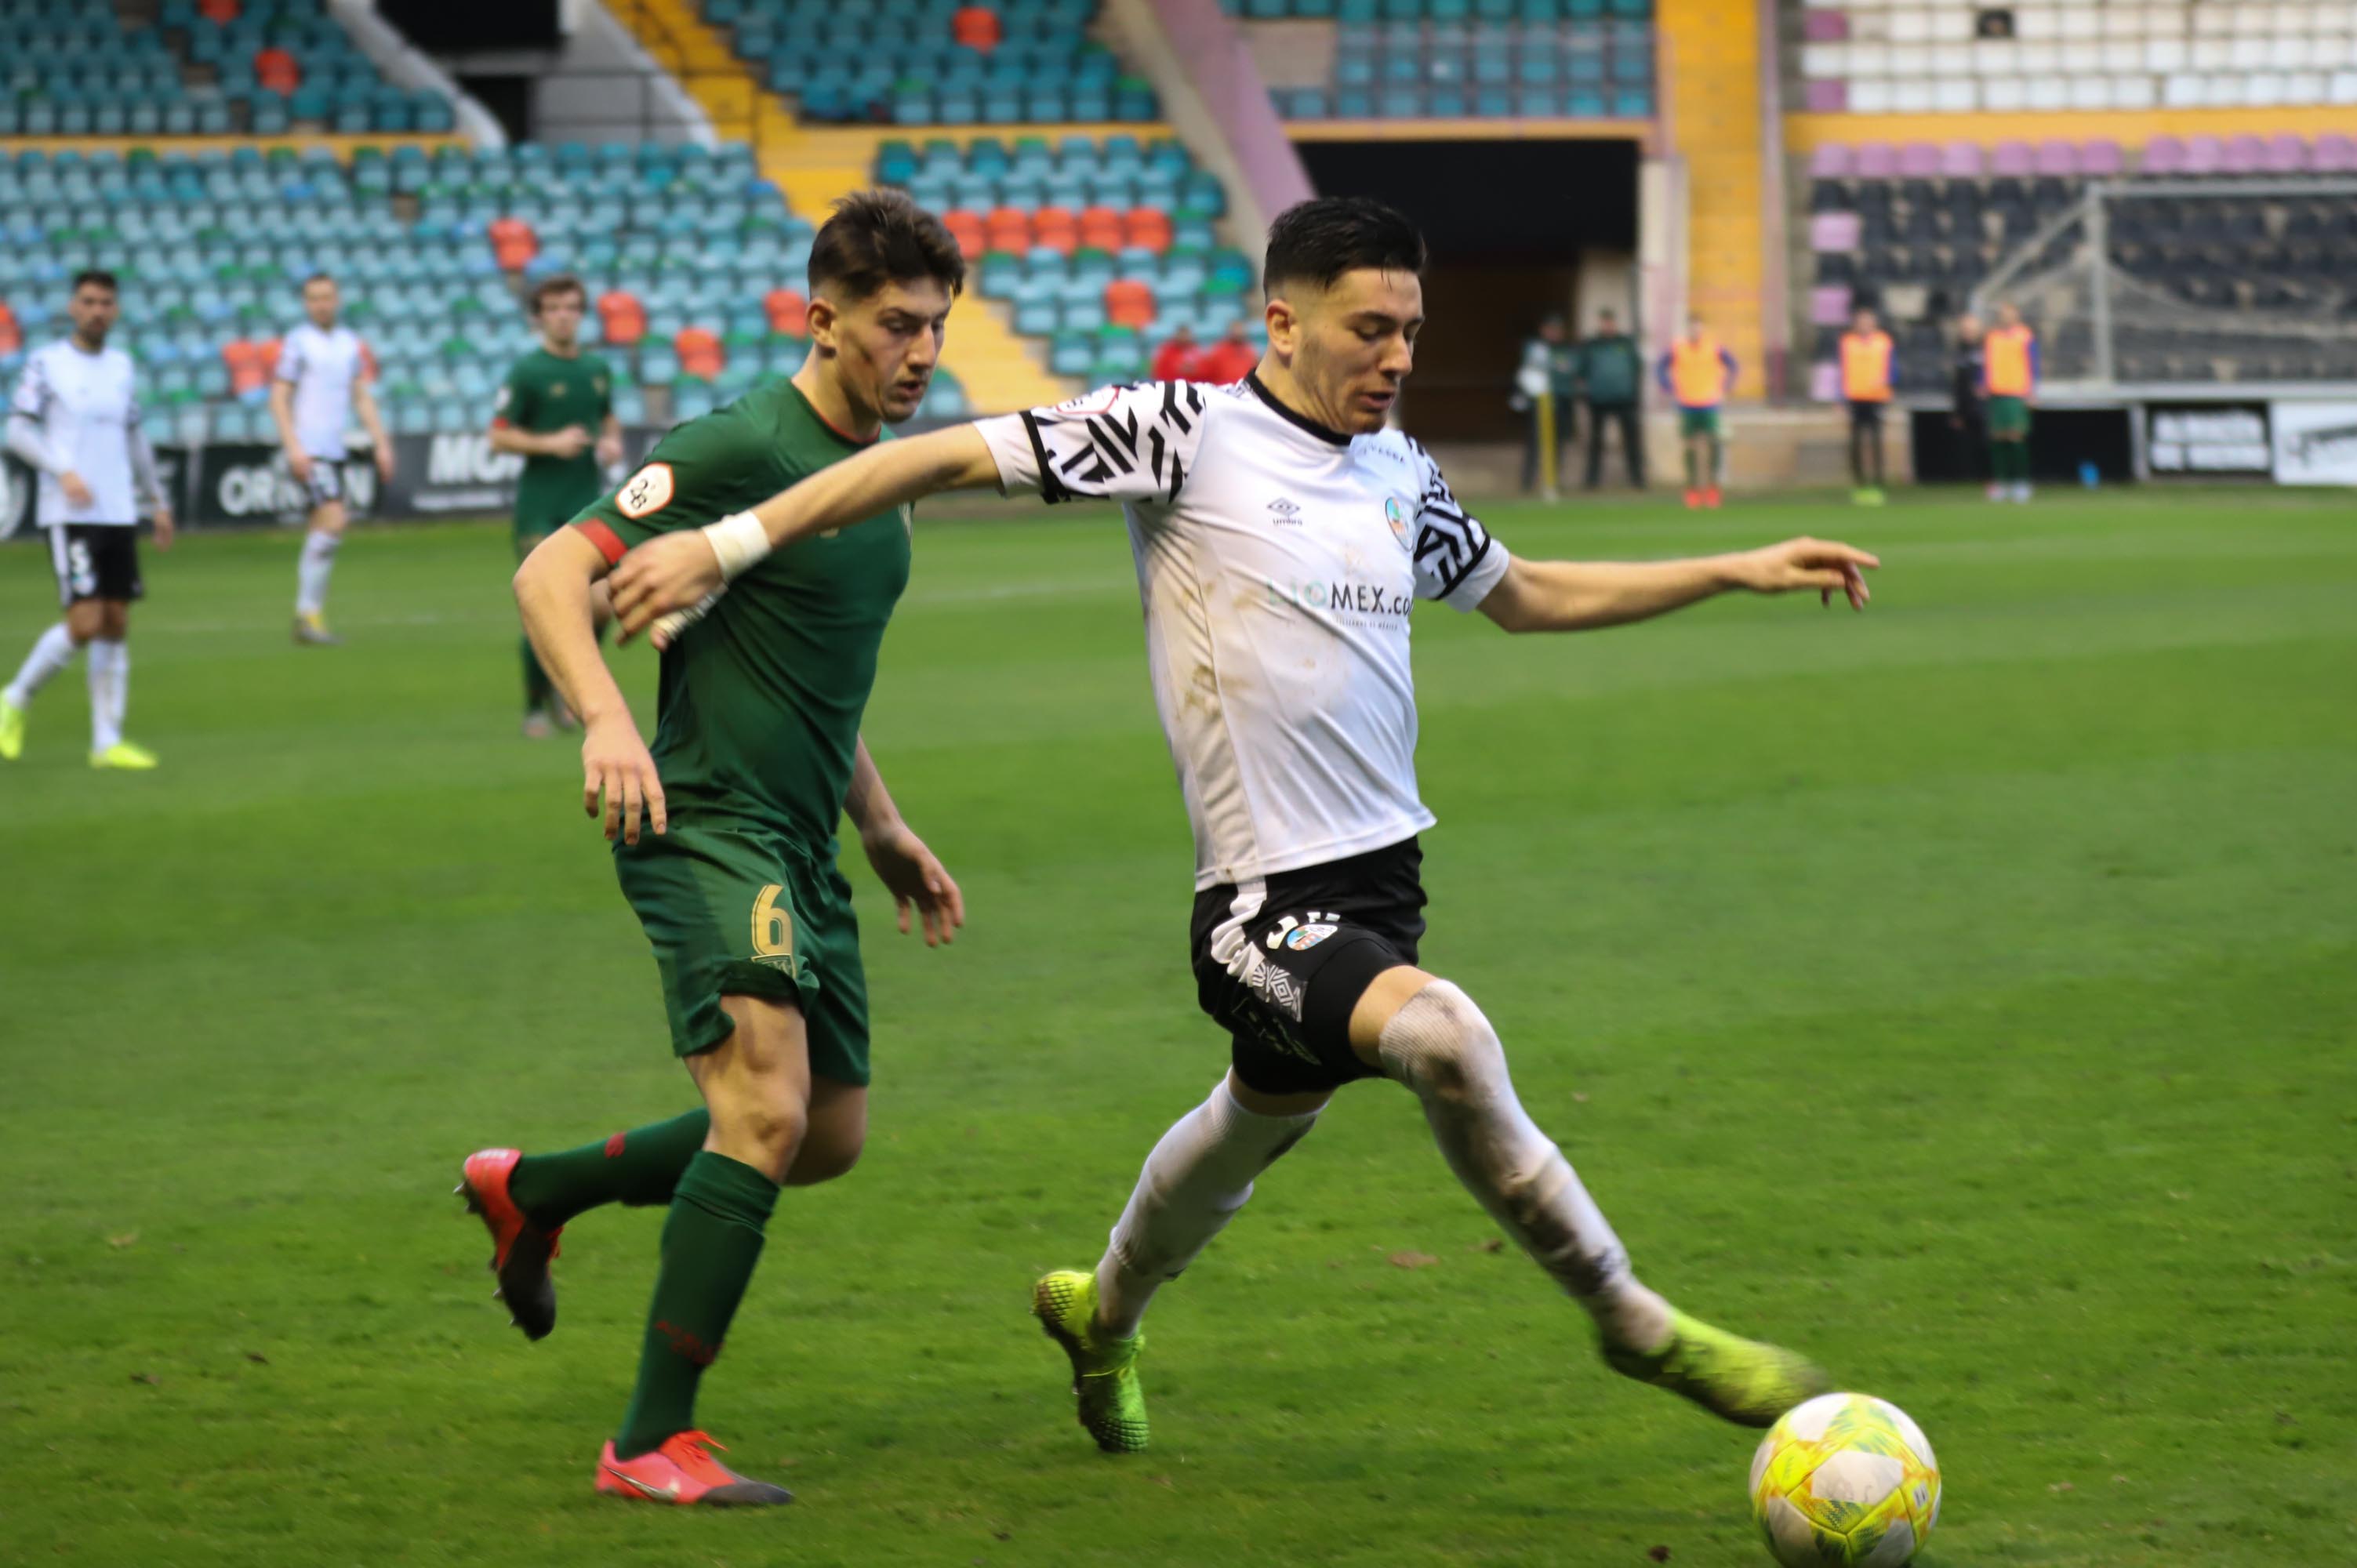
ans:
(647, 492)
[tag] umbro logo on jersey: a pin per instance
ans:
(1285, 509)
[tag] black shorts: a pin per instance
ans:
(1867, 414)
(95, 561)
(1281, 963)
(327, 483)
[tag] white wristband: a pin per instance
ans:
(739, 541)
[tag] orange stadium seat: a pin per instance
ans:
(788, 311)
(277, 70)
(12, 336)
(1129, 302)
(514, 244)
(1150, 226)
(221, 11)
(977, 28)
(700, 353)
(247, 368)
(622, 318)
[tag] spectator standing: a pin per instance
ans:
(1966, 415)
(1175, 361)
(1547, 388)
(1612, 376)
(1230, 360)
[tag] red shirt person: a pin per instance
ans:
(1230, 360)
(1175, 361)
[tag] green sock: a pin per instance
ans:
(1710, 475)
(710, 1243)
(1692, 483)
(640, 1166)
(536, 687)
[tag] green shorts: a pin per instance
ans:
(2008, 416)
(1698, 422)
(735, 909)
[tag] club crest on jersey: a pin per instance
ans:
(556, 388)
(1300, 936)
(1399, 514)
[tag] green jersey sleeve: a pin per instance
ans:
(515, 405)
(698, 474)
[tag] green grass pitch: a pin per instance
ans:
(1963, 991)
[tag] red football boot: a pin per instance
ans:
(520, 1250)
(683, 1472)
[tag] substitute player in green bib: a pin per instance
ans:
(724, 834)
(553, 399)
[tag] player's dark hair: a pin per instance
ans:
(879, 237)
(1315, 242)
(98, 275)
(556, 283)
(318, 277)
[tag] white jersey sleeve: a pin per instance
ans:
(1132, 444)
(1457, 561)
(28, 412)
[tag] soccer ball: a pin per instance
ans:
(1845, 1481)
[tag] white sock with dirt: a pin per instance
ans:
(110, 680)
(1194, 1181)
(1440, 1045)
(311, 576)
(52, 652)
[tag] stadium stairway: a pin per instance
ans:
(1712, 73)
(814, 166)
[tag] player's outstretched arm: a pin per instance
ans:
(554, 589)
(1579, 595)
(678, 571)
(912, 874)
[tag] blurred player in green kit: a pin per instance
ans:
(555, 410)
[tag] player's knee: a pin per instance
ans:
(1441, 1045)
(113, 621)
(823, 1160)
(764, 1128)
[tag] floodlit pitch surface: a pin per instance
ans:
(1963, 991)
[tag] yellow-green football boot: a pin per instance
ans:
(1104, 1369)
(1738, 1380)
(12, 731)
(125, 756)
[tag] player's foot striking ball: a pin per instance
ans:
(1310, 899)
(683, 1473)
(520, 1250)
(1739, 1380)
(1105, 1368)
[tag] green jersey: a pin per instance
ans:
(545, 393)
(757, 718)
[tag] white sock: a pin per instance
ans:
(1440, 1045)
(1194, 1181)
(52, 652)
(311, 576)
(110, 680)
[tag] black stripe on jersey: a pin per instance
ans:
(1118, 442)
(1052, 488)
(1450, 543)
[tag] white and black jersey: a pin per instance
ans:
(1277, 561)
(78, 411)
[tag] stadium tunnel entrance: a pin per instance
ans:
(1517, 228)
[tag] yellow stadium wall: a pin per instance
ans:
(2129, 127)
